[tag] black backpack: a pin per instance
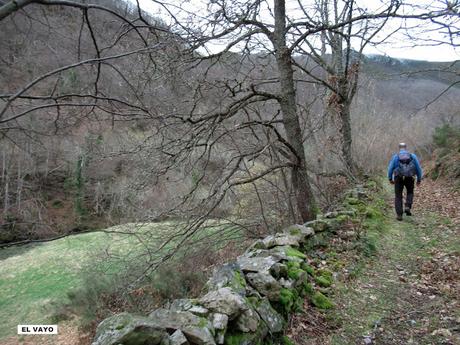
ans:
(406, 166)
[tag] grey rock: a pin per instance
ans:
(197, 330)
(180, 305)
(274, 253)
(287, 283)
(279, 270)
(283, 253)
(229, 275)
(265, 284)
(199, 310)
(220, 336)
(280, 240)
(224, 301)
(367, 340)
(129, 329)
(251, 338)
(301, 232)
(259, 244)
(318, 225)
(333, 214)
(178, 338)
(270, 316)
(251, 292)
(257, 264)
(219, 321)
(248, 321)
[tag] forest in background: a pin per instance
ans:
(89, 161)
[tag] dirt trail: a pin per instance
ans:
(408, 292)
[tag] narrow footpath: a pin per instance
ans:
(407, 291)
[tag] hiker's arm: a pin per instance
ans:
(418, 168)
(391, 168)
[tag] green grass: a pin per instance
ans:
(37, 277)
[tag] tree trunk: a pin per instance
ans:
(300, 181)
(345, 130)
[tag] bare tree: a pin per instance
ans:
(199, 103)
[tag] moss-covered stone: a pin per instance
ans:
(322, 281)
(235, 338)
(320, 240)
(289, 300)
(239, 279)
(321, 301)
(324, 278)
(294, 231)
(318, 225)
(252, 300)
(294, 270)
(242, 338)
(307, 289)
(307, 268)
(295, 253)
(129, 329)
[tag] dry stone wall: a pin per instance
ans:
(245, 302)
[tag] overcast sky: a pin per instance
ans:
(398, 46)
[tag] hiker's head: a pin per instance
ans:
(402, 146)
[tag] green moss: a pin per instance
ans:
(326, 274)
(371, 184)
(321, 301)
(373, 212)
(120, 326)
(293, 264)
(324, 278)
(368, 245)
(320, 240)
(203, 322)
(295, 253)
(252, 300)
(323, 282)
(287, 341)
(294, 270)
(235, 339)
(239, 279)
(294, 231)
(342, 218)
(307, 289)
(307, 268)
(288, 300)
(352, 201)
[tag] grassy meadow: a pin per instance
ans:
(37, 278)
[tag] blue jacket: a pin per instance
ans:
(394, 162)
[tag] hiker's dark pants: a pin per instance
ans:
(400, 183)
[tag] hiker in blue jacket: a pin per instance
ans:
(401, 171)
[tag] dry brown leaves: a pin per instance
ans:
(441, 274)
(439, 197)
(309, 327)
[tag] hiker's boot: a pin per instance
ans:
(408, 212)
(399, 217)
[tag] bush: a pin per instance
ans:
(446, 136)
